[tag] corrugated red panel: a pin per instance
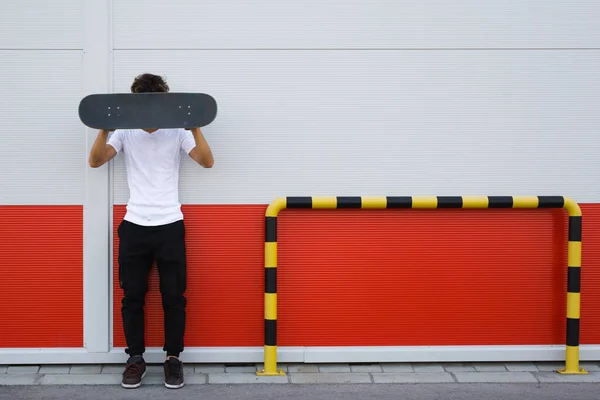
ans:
(387, 277)
(590, 274)
(225, 279)
(41, 284)
(420, 278)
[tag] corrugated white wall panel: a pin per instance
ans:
(414, 24)
(386, 122)
(41, 24)
(42, 153)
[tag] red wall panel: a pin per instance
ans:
(224, 283)
(385, 277)
(41, 284)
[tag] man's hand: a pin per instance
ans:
(201, 153)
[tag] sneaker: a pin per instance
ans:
(135, 370)
(173, 373)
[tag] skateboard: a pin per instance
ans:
(147, 110)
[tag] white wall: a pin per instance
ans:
(41, 138)
(354, 24)
(377, 97)
(41, 24)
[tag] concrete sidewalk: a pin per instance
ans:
(200, 374)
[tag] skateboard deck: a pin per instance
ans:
(147, 110)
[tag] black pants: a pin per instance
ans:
(139, 247)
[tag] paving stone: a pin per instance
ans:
(495, 377)
(82, 379)
(490, 367)
(457, 367)
(110, 374)
(188, 369)
(302, 368)
(20, 379)
(154, 370)
(114, 379)
(193, 379)
(555, 377)
(587, 365)
(520, 367)
(86, 369)
(23, 369)
(244, 378)
(427, 367)
(280, 367)
(158, 379)
(208, 368)
(366, 368)
(113, 369)
(397, 367)
(549, 366)
(413, 377)
(240, 369)
(328, 368)
(331, 377)
(55, 369)
(151, 369)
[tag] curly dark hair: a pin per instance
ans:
(149, 83)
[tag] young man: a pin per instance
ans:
(152, 230)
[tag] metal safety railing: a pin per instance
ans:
(424, 202)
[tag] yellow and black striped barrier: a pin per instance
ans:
(424, 202)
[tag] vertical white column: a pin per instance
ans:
(96, 229)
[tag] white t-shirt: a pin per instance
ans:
(152, 165)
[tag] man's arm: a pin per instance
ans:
(201, 153)
(101, 152)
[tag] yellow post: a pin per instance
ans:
(573, 289)
(270, 296)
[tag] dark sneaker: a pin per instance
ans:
(173, 373)
(135, 370)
